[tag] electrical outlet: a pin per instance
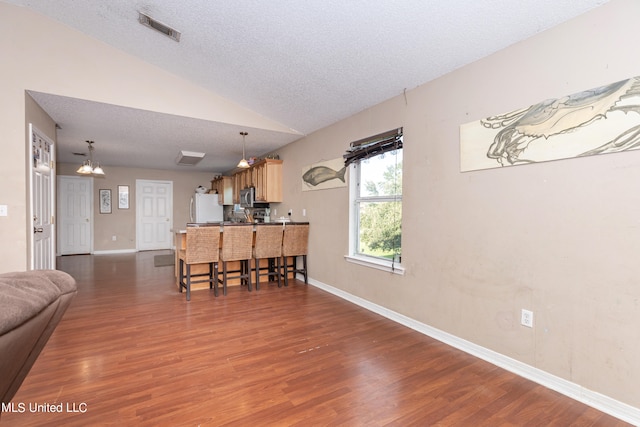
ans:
(114, 238)
(290, 212)
(4, 210)
(526, 318)
(304, 212)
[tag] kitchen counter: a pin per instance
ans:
(223, 223)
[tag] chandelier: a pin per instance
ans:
(88, 167)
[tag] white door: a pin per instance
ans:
(154, 214)
(42, 191)
(74, 215)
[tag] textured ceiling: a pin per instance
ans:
(305, 64)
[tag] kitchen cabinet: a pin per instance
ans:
(223, 186)
(266, 176)
(241, 179)
(268, 180)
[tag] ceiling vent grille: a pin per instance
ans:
(189, 158)
(148, 21)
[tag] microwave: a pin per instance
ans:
(248, 197)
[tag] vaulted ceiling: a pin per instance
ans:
(305, 64)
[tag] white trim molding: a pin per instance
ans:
(575, 391)
(115, 251)
(379, 264)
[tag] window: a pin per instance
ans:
(376, 201)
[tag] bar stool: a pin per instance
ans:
(202, 246)
(237, 242)
(294, 244)
(268, 245)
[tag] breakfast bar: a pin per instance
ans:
(181, 244)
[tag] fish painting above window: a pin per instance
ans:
(323, 175)
(596, 121)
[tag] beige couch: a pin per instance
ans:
(31, 306)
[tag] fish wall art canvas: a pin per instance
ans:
(602, 120)
(323, 175)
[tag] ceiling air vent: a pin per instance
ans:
(158, 26)
(189, 158)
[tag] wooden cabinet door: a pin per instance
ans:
(260, 175)
(237, 185)
(268, 180)
(241, 180)
(248, 178)
(223, 186)
(272, 176)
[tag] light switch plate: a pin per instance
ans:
(4, 210)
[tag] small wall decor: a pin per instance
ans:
(596, 121)
(123, 197)
(105, 201)
(323, 175)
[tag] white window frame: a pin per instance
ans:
(354, 215)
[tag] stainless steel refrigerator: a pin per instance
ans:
(205, 208)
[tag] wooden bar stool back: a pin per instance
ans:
(295, 242)
(237, 243)
(268, 245)
(202, 246)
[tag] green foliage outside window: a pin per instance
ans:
(380, 211)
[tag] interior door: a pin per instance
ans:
(42, 191)
(75, 215)
(154, 214)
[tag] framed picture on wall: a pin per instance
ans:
(123, 197)
(105, 201)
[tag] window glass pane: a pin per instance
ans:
(379, 233)
(381, 175)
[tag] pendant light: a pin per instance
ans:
(88, 167)
(243, 163)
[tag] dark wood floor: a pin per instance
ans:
(135, 352)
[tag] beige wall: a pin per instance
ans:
(122, 222)
(45, 56)
(558, 238)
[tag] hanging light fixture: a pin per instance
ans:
(88, 167)
(243, 163)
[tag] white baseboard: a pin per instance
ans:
(577, 392)
(118, 251)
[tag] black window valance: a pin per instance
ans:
(373, 145)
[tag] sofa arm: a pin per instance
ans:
(31, 306)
